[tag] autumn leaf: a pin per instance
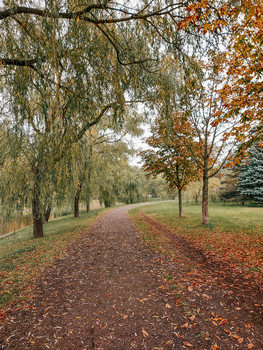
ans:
(185, 325)
(187, 344)
(206, 296)
(145, 333)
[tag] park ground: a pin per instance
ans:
(151, 281)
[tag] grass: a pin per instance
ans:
(235, 233)
(223, 217)
(22, 257)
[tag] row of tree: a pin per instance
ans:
(95, 167)
(67, 66)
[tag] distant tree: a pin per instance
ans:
(192, 94)
(169, 155)
(250, 184)
(228, 190)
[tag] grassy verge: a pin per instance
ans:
(234, 234)
(22, 257)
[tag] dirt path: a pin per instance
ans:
(107, 292)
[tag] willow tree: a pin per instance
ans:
(62, 72)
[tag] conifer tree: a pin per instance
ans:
(251, 176)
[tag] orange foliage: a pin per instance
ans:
(242, 62)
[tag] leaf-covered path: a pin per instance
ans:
(106, 292)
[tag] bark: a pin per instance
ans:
(36, 211)
(88, 205)
(76, 201)
(47, 213)
(205, 216)
(180, 203)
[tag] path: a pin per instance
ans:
(103, 294)
(106, 292)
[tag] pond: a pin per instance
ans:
(15, 224)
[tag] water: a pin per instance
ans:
(15, 224)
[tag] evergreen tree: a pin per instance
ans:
(251, 176)
(228, 191)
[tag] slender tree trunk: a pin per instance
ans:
(88, 205)
(180, 203)
(205, 198)
(88, 185)
(76, 201)
(36, 212)
(47, 213)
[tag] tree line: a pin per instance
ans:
(69, 68)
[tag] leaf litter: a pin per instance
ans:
(109, 291)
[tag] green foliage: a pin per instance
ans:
(168, 155)
(250, 180)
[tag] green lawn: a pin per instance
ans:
(222, 217)
(22, 256)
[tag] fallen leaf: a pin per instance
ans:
(223, 321)
(125, 316)
(187, 344)
(235, 336)
(240, 340)
(142, 300)
(192, 318)
(250, 346)
(168, 306)
(185, 325)
(206, 296)
(145, 333)
(247, 325)
(214, 347)
(190, 288)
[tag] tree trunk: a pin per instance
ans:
(205, 199)
(36, 212)
(47, 213)
(180, 203)
(88, 205)
(76, 201)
